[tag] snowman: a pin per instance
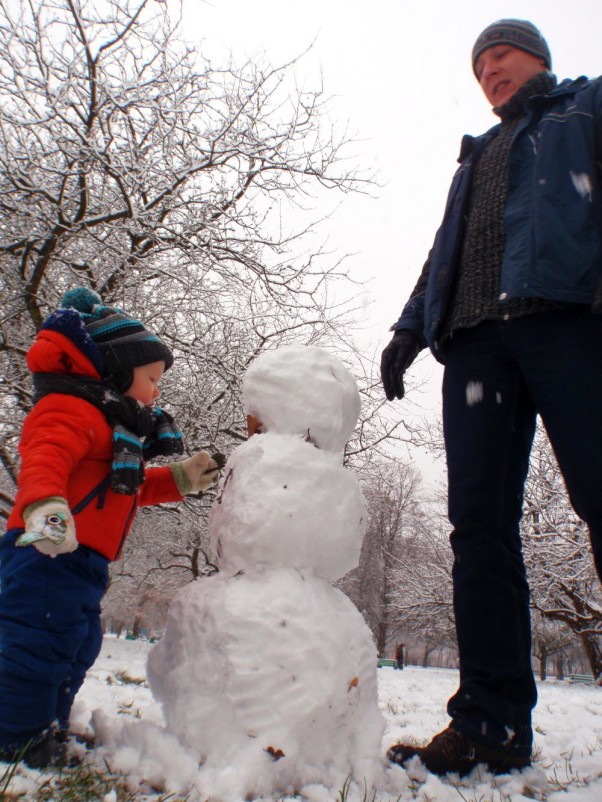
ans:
(267, 673)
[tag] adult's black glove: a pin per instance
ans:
(395, 360)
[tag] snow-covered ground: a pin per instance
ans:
(568, 723)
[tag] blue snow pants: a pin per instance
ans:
(498, 376)
(50, 635)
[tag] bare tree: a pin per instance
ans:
(565, 591)
(564, 584)
(550, 639)
(424, 597)
(395, 521)
(130, 165)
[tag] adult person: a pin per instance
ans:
(399, 656)
(506, 302)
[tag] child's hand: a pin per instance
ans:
(49, 526)
(195, 474)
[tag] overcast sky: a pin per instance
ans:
(401, 77)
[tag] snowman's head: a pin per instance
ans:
(305, 391)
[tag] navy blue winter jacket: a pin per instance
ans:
(553, 216)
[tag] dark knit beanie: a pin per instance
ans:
(516, 32)
(114, 342)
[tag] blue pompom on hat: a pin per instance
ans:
(81, 298)
(114, 342)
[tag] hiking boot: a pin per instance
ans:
(452, 751)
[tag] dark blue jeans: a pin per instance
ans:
(498, 377)
(50, 634)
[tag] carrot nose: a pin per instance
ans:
(253, 425)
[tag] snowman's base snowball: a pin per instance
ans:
(273, 672)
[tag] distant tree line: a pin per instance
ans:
(403, 584)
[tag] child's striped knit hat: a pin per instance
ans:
(122, 341)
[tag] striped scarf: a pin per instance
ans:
(139, 433)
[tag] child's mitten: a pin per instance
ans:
(49, 526)
(196, 474)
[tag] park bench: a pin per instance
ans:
(581, 678)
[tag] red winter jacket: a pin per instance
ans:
(66, 450)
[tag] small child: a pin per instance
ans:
(96, 376)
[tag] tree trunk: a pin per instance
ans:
(543, 663)
(560, 667)
(592, 650)
(381, 638)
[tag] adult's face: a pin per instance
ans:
(502, 70)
